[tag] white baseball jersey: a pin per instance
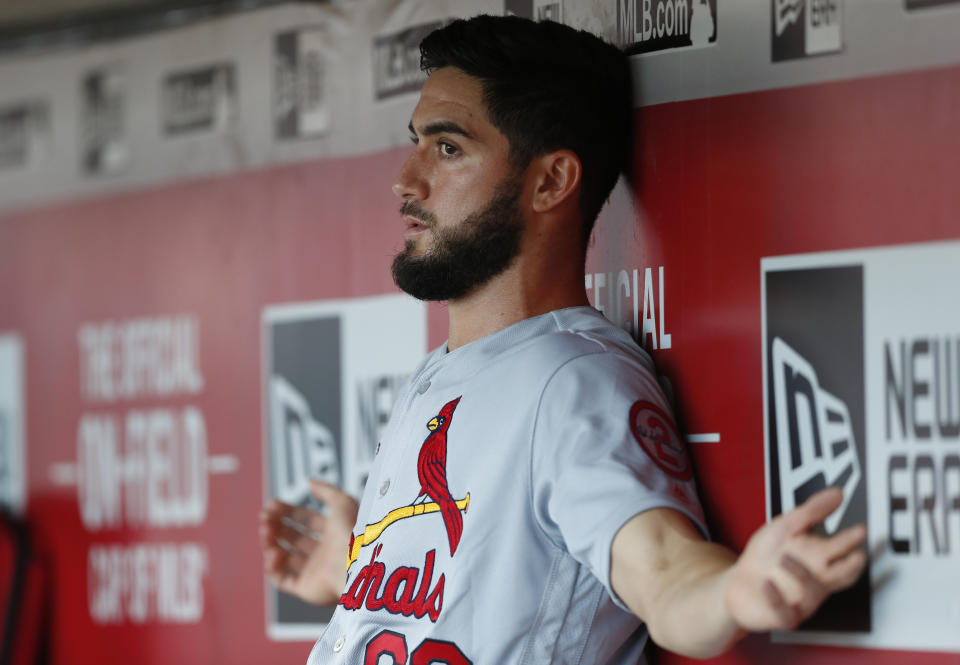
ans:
(505, 471)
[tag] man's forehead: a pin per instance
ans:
(450, 94)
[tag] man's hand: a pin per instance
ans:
(304, 551)
(785, 573)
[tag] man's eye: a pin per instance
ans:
(448, 150)
(414, 140)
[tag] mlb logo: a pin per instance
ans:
(814, 407)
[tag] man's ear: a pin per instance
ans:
(556, 179)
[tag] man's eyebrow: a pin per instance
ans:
(440, 127)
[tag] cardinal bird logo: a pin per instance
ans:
(432, 473)
(434, 493)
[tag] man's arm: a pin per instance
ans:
(698, 598)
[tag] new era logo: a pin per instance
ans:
(801, 28)
(302, 446)
(815, 440)
(814, 416)
(786, 12)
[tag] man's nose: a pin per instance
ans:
(410, 183)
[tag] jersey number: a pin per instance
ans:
(389, 643)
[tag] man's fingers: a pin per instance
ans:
(845, 571)
(295, 560)
(283, 565)
(274, 564)
(818, 568)
(274, 507)
(793, 592)
(270, 557)
(827, 560)
(786, 615)
(841, 544)
(283, 528)
(306, 516)
(808, 581)
(329, 495)
(314, 532)
(284, 580)
(323, 490)
(813, 589)
(814, 510)
(274, 575)
(276, 514)
(294, 538)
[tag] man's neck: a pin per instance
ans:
(516, 294)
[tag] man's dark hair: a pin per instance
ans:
(547, 87)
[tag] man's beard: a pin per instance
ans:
(466, 256)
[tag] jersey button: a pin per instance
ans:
(384, 487)
(423, 387)
(338, 645)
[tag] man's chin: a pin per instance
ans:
(418, 244)
(419, 277)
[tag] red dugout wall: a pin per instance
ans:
(148, 266)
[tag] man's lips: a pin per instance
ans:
(414, 225)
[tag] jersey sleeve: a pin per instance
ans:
(605, 448)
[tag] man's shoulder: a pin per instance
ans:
(577, 349)
(536, 349)
(583, 331)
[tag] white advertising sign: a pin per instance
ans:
(865, 344)
(332, 371)
(13, 479)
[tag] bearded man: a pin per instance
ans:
(531, 500)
